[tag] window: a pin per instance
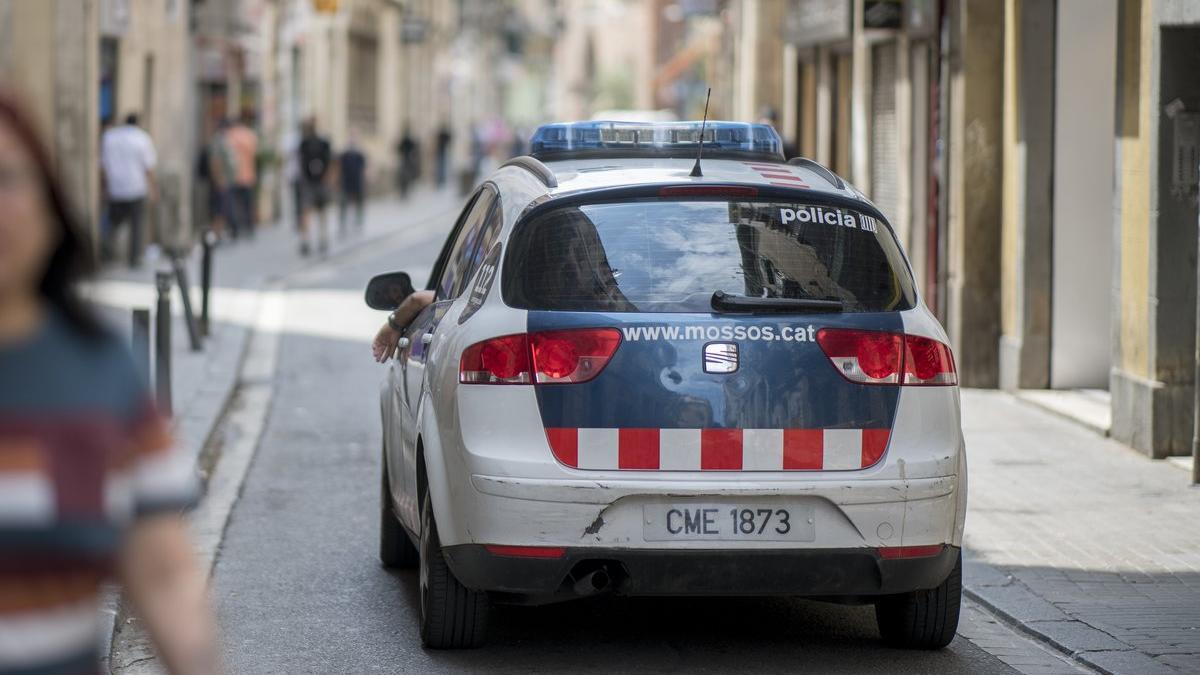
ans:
(487, 238)
(660, 256)
(459, 259)
(362, 94)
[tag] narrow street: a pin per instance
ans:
(912, 283)
(298, 586)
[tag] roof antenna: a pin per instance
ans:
(696, 173)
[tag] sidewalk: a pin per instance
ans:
(1080, 540)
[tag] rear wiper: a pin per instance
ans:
(724, 302)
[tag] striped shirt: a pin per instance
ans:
(83, 454)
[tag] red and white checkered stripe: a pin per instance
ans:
(778, 174)
(718, 449)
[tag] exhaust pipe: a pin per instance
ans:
(593, 582)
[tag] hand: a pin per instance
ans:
(384, 344)
(383, 347)
(151, 187)
(168, 587)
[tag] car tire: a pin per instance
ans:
(396, 549)
(925, 619)
(452, 615)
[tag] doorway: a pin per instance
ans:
(1085, 88)
(1174, 312)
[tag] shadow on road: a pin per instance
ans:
(611, 633)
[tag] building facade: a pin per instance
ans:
(58, 84)
(80, 63)
(1039, 160)
(144, 68)
(1100, 211)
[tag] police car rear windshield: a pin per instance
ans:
(671, 256)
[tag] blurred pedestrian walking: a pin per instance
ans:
(516, 146)
(294, 178)
(92, 487)
(127, 158)
(444, 138)
(315, 158)
(205, 191)
(243, 150)
(469, 173)
(221, 171)
(409, 151)
(768, 115)
(352, 168)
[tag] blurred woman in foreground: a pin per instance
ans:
(89, 486)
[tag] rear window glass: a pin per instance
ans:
(670, 256)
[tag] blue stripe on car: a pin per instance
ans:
(661, 383)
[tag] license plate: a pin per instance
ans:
(728, 522)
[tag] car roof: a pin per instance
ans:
(572, 176)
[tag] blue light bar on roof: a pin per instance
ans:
(566, 140)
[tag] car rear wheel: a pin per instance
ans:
(922, 619)
(452, 615)
(396, 548)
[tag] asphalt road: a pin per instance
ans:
(299, 588)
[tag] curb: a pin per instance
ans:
(112, 608)
(1028, 613)
(1078, 420)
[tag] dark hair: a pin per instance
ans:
(71, 261)
(131, 119)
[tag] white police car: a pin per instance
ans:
(639, 380)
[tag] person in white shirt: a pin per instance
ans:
(128, 158)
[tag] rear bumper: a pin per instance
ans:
(857, 572)
(609, 513)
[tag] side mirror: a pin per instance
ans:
(387, 291)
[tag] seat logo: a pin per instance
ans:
(720, 357)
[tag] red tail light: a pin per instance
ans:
(549, 357)
(572, 355)
(502, 360)
(873, 357)
(869, 357)
(928, 362)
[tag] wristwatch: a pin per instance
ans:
(392, 322)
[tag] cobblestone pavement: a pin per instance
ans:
(1085, 543)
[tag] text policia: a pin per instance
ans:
(818, 214)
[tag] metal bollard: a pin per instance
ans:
(162, 341)
(206, 243)
(141, 344)
(189, 319)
